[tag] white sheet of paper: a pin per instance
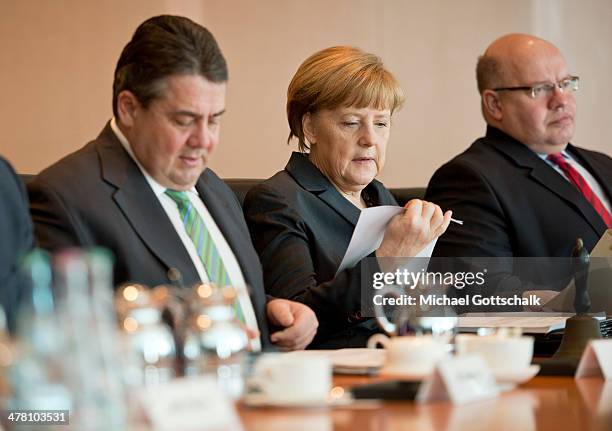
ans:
(603, 248)
(369, 233)
(189, 404)
(596, 360)
(460, 379)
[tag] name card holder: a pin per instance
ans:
(596, 360)
(461, 380)
(188, 404)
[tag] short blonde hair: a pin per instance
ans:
(339, 76)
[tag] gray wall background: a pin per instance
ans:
(58, 58)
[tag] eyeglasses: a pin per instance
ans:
(541, 91)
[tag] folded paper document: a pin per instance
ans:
(531, 323)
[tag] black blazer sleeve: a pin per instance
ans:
(15, 239)
(287, 248)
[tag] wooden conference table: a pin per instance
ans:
(544, 403)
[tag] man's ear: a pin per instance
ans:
(127, 105)
(308, 129)
(491, 104)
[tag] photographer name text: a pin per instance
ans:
(445, 300)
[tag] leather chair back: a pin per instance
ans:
(404, 194)
(241, 187)
(26, 178)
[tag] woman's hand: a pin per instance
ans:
(408, 233)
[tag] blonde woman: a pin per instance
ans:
(339, 106)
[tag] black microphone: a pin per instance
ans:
(580, 265)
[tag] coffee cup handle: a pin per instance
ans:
(378, 339)
(385, 324)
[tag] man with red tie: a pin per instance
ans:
(523, 189)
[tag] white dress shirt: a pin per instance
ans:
(225, 252)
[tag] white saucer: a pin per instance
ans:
(261, 400)
(504, 377)
(516, 376)
(408, 376)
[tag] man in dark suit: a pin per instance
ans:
(523, 189)
(142, 187)
(16, 238)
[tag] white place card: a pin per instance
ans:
(189, 404)
(459, 379)
(597, 395)
(596, 360)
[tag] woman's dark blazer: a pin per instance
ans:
(301, 227)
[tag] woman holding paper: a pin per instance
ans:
(339, 107)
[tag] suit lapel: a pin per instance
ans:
(141, 207)
(340, 205)
(310, 178)
(542, 173)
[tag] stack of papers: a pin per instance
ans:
(530, 323)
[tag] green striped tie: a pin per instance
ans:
(204, 244)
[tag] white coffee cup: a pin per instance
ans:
(410, 355)
(500, 353)
(288, 378)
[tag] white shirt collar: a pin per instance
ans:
(157, 188)
(564, 153)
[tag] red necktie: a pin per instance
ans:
(581, 184)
